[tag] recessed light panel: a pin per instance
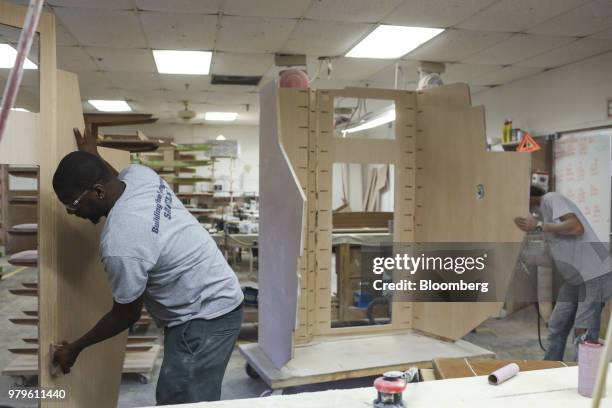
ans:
(221, 116)
(110, 106)
(8, 55)
(392, 42)
(182, 62)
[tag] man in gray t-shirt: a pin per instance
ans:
(157, 254)
(581, 259)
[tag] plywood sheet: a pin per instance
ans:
(452, 162)
(335, 359)
(78, 280)
(281, 228)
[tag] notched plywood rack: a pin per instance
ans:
(439, 156)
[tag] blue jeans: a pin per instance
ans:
(196, 354)
(579, 307)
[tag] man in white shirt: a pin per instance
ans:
(157, 254)
(583, 262)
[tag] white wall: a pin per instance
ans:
(567, 98)
(246, 167)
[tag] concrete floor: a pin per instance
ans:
(512, 337)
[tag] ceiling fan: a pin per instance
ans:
(186, 114)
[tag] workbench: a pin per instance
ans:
(554, 388)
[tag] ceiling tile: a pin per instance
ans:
(455, 45)
(250, 34)
(266, 8)
(517, 48)
(356, 68)
(93, 80)
(181, 6)
(173, 31)
(517, 15)
(228, 63)
(358, 11)
(568, 53)
(177, 82)
(230, 98)
(125, 60)
(605, 34)
(135, 80)
(466, 72)
(191, 96)
(106, 4)
(386, 77)
(102, 93)
(582, 21)
(504, 75)
(475, 89)
(103, 28)
(144, 96)
(435, 13)
(63, 36)
(75, 59)
(148, 107)
(324, 38)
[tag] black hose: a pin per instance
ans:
(537, 307)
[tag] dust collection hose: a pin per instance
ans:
(23, 49)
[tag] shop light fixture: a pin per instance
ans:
(110, 106)
(8, 55)
(392, 42)
(182, 62)
(220, 116)
(380, 119)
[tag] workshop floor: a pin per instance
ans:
(512, 337)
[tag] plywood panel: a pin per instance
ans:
(452, 154)
(281, 211)
(80, 281)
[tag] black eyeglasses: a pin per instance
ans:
(73, 206)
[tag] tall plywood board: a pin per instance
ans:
(452, 161)
(282, 203)
(79, 282)
(73, 292)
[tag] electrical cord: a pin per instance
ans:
(537, 307)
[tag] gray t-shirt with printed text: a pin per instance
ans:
(152, 245)
(577, 258)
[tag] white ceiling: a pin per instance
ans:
(488, 43)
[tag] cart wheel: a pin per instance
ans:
(20, 381)
(143, 379)
(251, 371)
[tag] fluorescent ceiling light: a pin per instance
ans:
(182, 62)
(20, 110)
(110, 106)
(220, 137)
(221, 116)
(379, 120)
(392, 42)
(8, 55)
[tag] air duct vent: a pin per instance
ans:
(235, 80)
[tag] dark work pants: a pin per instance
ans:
(196, 354)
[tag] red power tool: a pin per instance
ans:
(390, 387)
